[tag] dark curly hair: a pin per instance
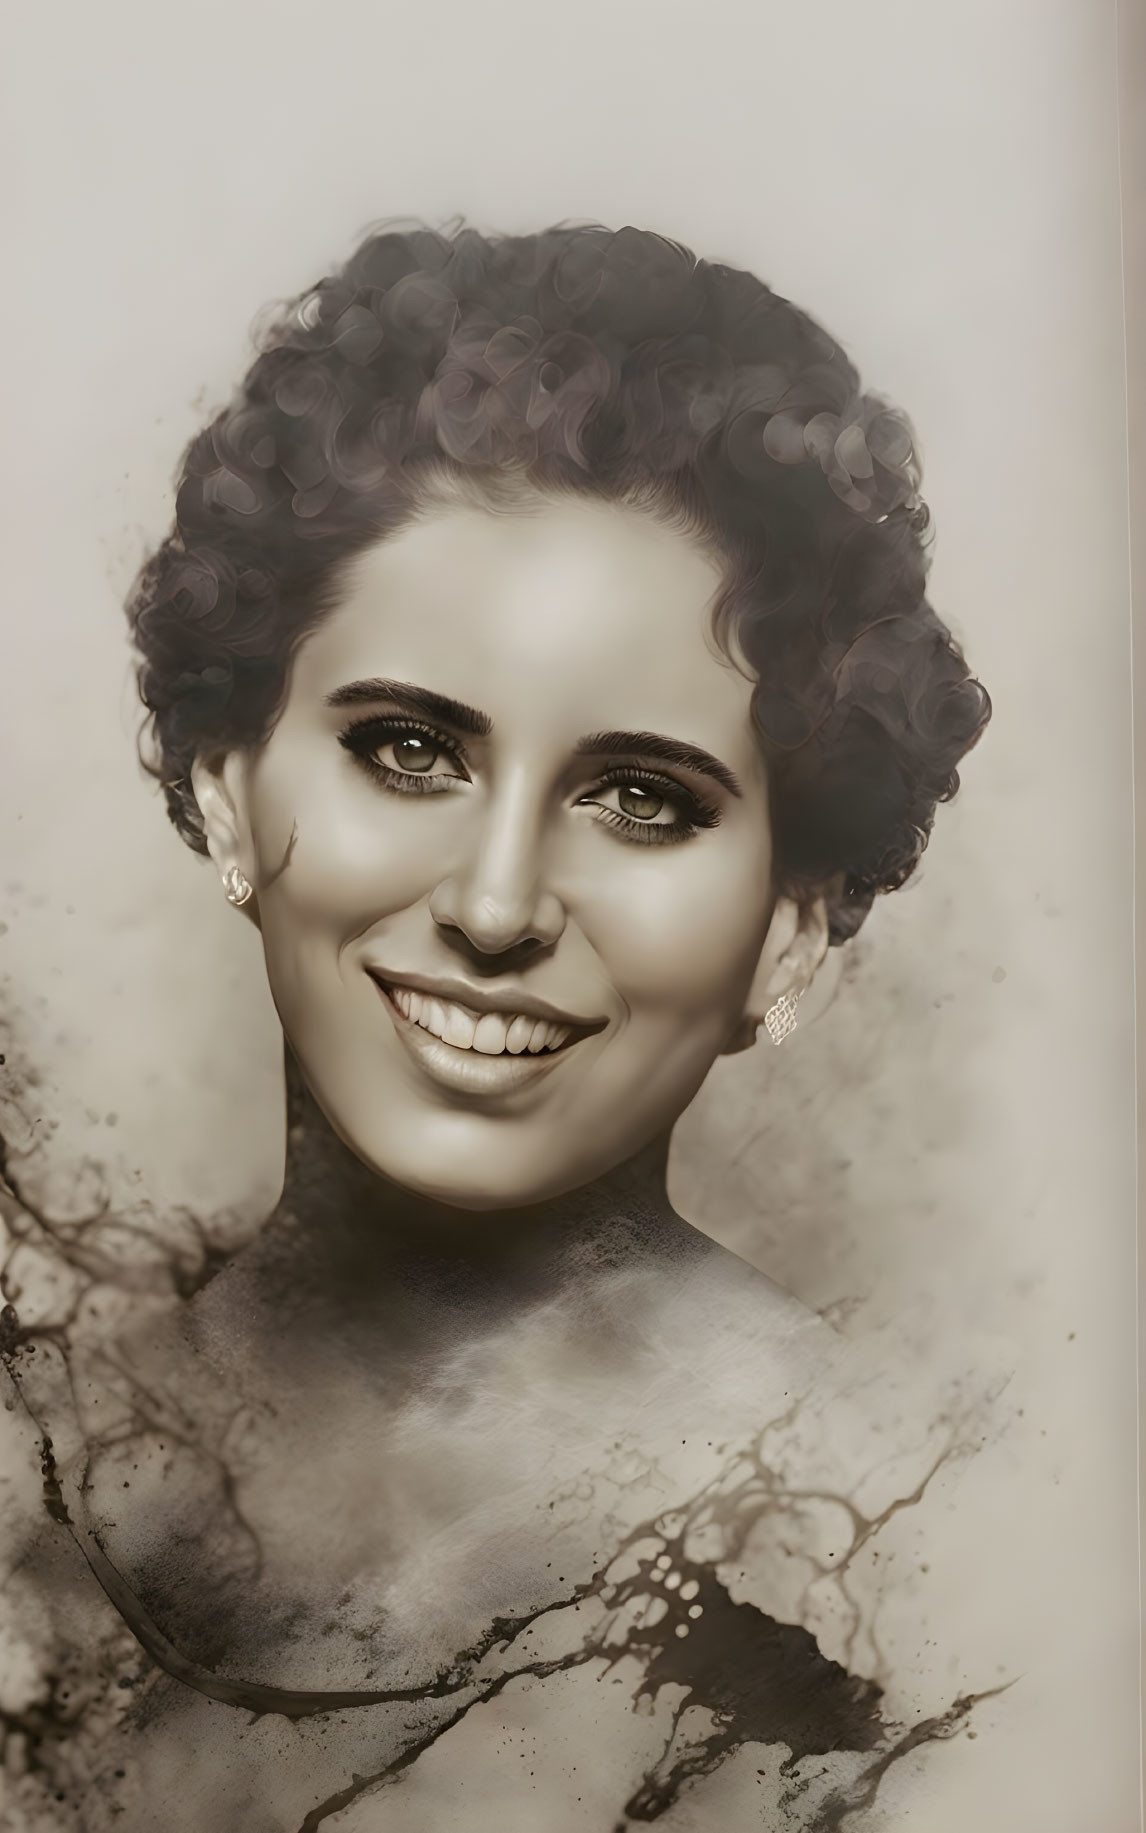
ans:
(615, 364)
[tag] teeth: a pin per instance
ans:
(518, 1036)
(489, 1033)
(460, 1028)
(489, 1037)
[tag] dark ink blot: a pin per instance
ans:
(743, 1676)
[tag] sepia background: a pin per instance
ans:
(943, 1156)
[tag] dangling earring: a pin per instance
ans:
(236, 889)
(781, 1018)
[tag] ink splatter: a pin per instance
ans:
(661, 1604)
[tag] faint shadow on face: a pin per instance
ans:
(529, 876)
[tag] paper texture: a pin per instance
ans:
(945, 1165)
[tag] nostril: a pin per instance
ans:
(495, 926)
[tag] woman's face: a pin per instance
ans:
(510, 846)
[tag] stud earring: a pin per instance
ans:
(236, 889)
(781, 1018)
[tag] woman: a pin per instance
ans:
(541, 654)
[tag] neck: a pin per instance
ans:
(365, 1239)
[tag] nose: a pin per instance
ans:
(497, 897)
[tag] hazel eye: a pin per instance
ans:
(402, 756)
(646, 808)
(628, 799)
(413, 753)
(641, 804)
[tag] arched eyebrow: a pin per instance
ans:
(665, 750)
(468, 719)
(423, 700)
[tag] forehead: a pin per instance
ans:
(572, 615)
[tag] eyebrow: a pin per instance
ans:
(468, 719)
(665, 750)
(453, 713)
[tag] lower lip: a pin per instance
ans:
(468, 1072)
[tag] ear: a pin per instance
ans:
(794, 947)
(219, 784)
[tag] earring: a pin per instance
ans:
(781, 1018)
(236, 889)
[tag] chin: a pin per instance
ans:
(481, 1191)
(459, 1166)
(498, 1170)
(473, 1149)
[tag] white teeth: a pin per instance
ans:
(489, 1033)
(434, 1017)
(460, 1028)
(518, 1036)
(489, 1036)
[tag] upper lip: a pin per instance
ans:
(503, 999)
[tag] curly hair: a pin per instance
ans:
(611, 363)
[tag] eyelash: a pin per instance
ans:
(693, 814)
(365, 737)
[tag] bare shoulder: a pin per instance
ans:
(731, 1332)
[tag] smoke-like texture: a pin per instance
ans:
(645, 1629)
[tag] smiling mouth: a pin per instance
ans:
(491, 1034)
(478, 1052)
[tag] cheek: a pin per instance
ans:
(685, 940)
(332, 856)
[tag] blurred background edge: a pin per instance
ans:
(1132, 110)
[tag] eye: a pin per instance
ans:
(412, 753)
(404, 755)
(647, 808)
(639, 803)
